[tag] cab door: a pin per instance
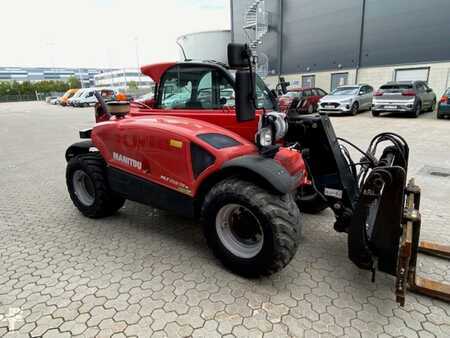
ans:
(201, 92)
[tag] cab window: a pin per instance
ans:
(189, 87)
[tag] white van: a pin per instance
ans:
(87, 98)
(74, 98)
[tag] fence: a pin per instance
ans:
(27, 97)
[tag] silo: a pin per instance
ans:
(209, 45)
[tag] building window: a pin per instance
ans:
(338, 79)
(412, 74)
(308, 81)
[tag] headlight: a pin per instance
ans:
(346, 101)
(265, 137)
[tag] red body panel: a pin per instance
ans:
(225, 118)
(157, 149)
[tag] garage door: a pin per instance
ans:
(338, 79)
(412, 74)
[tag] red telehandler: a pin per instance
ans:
(240, 173)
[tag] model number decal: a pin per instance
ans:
(179, 185)
(128, 161)
(333, 193)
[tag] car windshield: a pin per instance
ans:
(291, 94)
(396, 87)
(345, 91)
(78, 93)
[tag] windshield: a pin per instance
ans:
(291, 94)
(396, 87)
(346, 91)
(78, 93)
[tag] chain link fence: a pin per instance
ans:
(29, 97)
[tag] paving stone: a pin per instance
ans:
(144, 272)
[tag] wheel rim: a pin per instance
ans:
(239, 231)
(83, 187)
(355, 109)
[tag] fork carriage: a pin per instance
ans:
(371, 201)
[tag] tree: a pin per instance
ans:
(74, 82)
(133, 85)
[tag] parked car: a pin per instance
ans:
(347, 99)
(49, 99)
(304, 100)
(87, 97)
(70, 102)
(67, 95)
(411, 97)
(443, 109)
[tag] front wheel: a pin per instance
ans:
(309, 200)
(418, 110)
(88, 187)
(355, 108)
(252, 231)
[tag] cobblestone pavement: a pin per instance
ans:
(145, 272)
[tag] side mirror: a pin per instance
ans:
(238, 55)
(284, 85)
(361, 92)
(245, 95)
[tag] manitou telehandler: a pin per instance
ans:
(240, 173)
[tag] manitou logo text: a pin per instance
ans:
(128, 161)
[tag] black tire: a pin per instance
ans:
(277, 218)
(309, 201)
(105, 202)
(355, 109)
(375, 113)
(417, 110)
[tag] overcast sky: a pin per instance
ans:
(102, 33)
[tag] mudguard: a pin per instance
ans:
(270, 170)
(78, 148)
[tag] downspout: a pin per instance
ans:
(280, 40)
(361, 39)
(232, 20)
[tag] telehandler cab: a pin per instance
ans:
(243, 190)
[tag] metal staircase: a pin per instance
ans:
(256, 23)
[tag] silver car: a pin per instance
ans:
(411, 97)
(347, 99)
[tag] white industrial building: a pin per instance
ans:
(122, 78)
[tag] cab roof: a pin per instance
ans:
(155, 71)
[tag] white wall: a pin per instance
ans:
(376, 76)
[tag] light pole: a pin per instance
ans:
(136, 41)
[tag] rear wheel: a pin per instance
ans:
(418, 110)
(355, 108)
(88, 187)
(375, 113)
(309, 200)
(252, 231)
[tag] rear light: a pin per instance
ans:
(444, 99)
(408, 92)
(378, 93)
